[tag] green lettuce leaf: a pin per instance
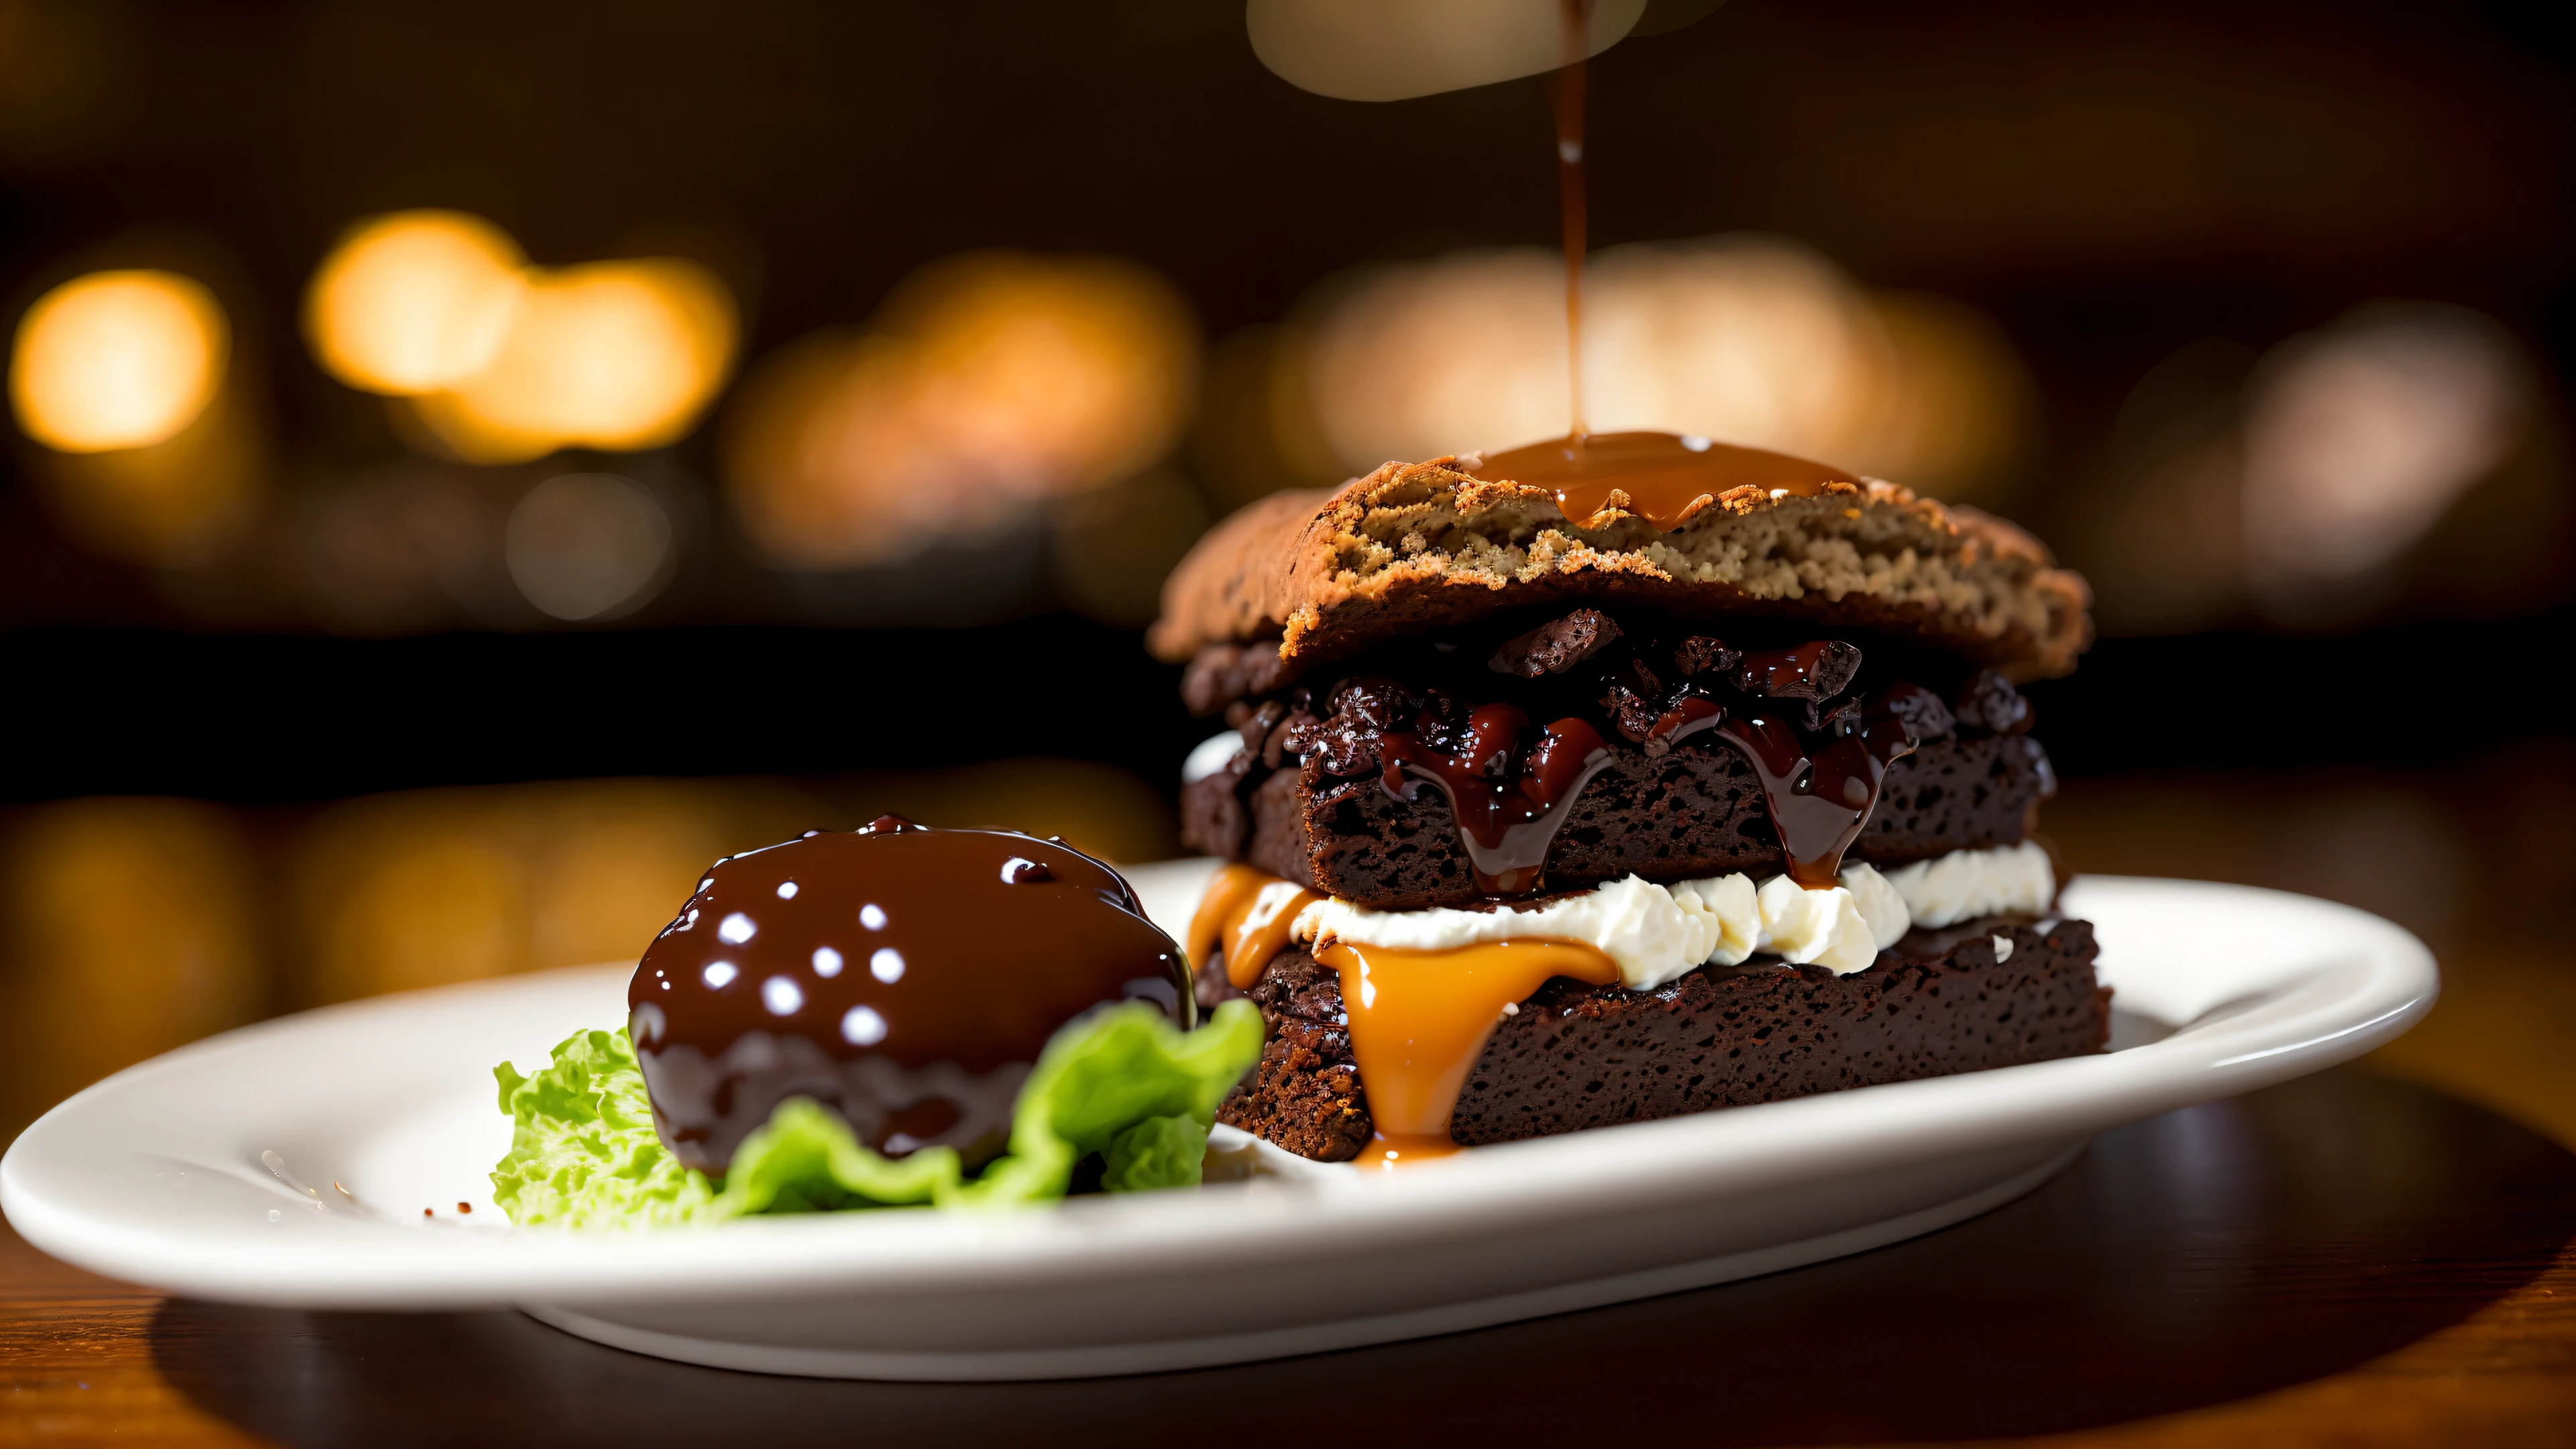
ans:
(1123, 1082)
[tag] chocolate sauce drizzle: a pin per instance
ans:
(1510, 787)
(1506, 818)
(905, 977)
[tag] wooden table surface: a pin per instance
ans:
(2349, 1259)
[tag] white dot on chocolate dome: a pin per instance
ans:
(736, 929)
(863, 1027)
(1696, 444)
(827, 962)
(719, 974)
(886, 965)
(782, 996)
(872, 916)
(787, 890)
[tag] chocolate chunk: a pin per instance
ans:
(1700, 654)
(1346, 747)
(1223, 672)
(1631, 713)
(1442, 721)
(1989, 702)
(1555, 647)
(1374, 702)
(1256, 729)
(1839, 718)
(1296, 735)
(1817, 670)
(1921, 711)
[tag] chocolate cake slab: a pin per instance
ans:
(1994, 993)
(1695, 810)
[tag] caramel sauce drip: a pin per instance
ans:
(1419, 1019)
(1247, 913)
(1656, 476)
(1387, 1153)
(1506, 820)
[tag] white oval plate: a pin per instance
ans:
(184, 1174)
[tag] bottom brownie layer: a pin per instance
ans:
(1578, 1056)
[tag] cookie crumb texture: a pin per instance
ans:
(1579, 1056)
(1420, 545)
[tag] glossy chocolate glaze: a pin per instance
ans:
(1507, 794)
(1820, 785)
(1819, 743)
(905, 977)
(1665, 479)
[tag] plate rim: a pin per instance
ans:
(2392, 975)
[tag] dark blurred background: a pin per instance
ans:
(472, 464)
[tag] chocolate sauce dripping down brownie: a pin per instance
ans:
(1769, 759)
(1575, 1056)
(1506, 818)
(905, 977)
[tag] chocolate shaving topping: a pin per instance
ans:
(1989, 702)
(1820, 669)
(1223, 672)
(1839, 718)
(1631, 713)
(1555, 647)
(1256, 729)
(1700, 654)
(1924, 715)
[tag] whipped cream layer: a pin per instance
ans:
(1211, 755)
(1656, 932)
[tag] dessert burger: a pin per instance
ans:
(1615, 778)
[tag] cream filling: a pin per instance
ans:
(1211, 755)
(1656, 932)
(1966, 884)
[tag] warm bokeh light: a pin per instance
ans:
(989, 382)
(2359, 438)
(393, 892)
(588, 546)
(179, 502)
(1958, 410)
(617, 355)
(428, 887)
(127, 927)
(414, 301)
(1751, 340)
(1114, 546)
(2385, 458)
(119, 359)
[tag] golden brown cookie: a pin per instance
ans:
(1420, 545)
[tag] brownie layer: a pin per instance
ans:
(1577, 1056)
(1695, 810)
